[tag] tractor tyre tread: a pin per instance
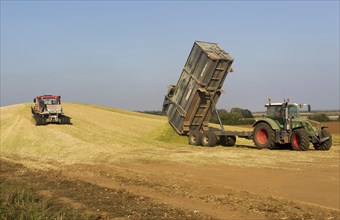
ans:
(302, 140)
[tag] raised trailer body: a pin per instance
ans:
(190, 103)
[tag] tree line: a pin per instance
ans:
(236, 116)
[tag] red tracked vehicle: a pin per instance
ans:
(48, 109)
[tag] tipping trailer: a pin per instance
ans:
(190, 103)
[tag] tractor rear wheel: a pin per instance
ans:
(208, 139)
(264, 136)
(327, 144)
(299, 140)
(228, 141)
(195, 138)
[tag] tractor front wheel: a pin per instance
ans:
(264, 136)
(325, 145)
(299, 140)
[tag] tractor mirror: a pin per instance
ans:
(34, 100)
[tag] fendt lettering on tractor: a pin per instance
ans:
(48, 109)
(283, 125)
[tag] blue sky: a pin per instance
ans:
(125, 54)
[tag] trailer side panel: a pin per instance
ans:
(190, 103)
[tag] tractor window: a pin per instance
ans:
(51, 101)
(274, 111)
(293, 111)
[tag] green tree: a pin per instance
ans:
(234, 117)
(319, 117)
(244, 113)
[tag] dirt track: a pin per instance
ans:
(172, 191)
(170, 181)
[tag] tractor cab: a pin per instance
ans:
(48, 103)
(280, 111)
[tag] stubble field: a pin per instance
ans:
(116, 164)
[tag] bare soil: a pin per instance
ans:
(168, 191)
(333, 127)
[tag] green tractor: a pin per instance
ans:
(283, 125)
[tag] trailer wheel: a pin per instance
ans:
(264, 136)
(208, 139)
(228, 141)
(325, 145)
(299, 140)
(195, 138)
